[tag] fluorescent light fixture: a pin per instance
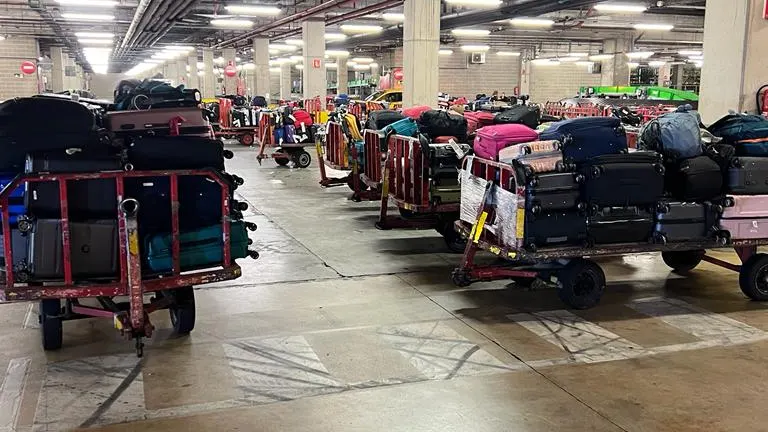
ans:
(91, 3)
(544, 61)
(88, 17)
(696, 58)
(475, 3)
(253, 10)
(201, 73)
(296, 58)
(531, 22)
(97, 35)
(299, 66)
(470, 32)
(283, 47)
(578, 54)
(475, 48)
(331, 66)
(393, 17)
(445, 52)
(95, 41)
(373, 65)
(232, 23)
(619, 7)
(178, 48)
(200, 65)
(657, 63)
(274, 51)
(249, 66)
(508, 53)
(219, 60)
(238, 59)
(335, 36)
(584, 63)
(360, 28)
(363, 60)
(690, 52)
(569, 59)
(274, 70)
(640, 54)
(600, 57)
(633, 64)
(154, 61)
(659, 27)
(361, 67)
(337, 53)
(294, 42)
(351, 64)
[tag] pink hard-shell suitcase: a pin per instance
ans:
(522, 150)
(491, 139)
(747, 218)
(477, 120)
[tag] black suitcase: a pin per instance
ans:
(687, 222)
(86, 199)
(93, 249)
(554, 228)
(748, 176)
(620, 225)
(622, 180)
(436, 123)
(557, 191)
(379, 119)
(528, 115)
(175, 153)
(694, 179)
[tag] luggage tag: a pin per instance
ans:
(456, 148)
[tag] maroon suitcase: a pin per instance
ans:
(159, 122)
(747, 218)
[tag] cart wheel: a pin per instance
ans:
(228, 154)
(753, 277)
(282, 161)
(24, 224)
(302, 159)
(405, 213)
(50, 324)
(581, 284)
(183, 310)
(523, 282)
(682, 261)
(246, 140)
(453, 240)
(460, 278)
(729, 202)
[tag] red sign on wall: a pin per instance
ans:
(230, 70)
(28, 67)
(316, 63)
(398, 74)
(765, 10)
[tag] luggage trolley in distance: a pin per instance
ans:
(172, 290)
(246, 135)
(284, 152)
(580, 282)
(334, 154)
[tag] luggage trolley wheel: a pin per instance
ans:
(247, 139)
(753, 277)
(282, 161)
(453, 240)
(302, 159)
(51, 324)
(581, 283)
(182, 310)
(682, 261)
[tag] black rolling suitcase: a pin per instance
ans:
(687, 222)
(554, 228)
(379, 119)
(620, 225)
(176, 153)
(748, 176)
(93, 249)
(557, 191)
(86, 199)
(444, 165)
(621, 180)
(695, 179)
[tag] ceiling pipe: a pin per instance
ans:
(137, 18)
(298, 16)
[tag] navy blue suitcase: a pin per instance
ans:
(623, 180)
(587, 137)
(16, 200)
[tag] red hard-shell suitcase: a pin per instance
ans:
(160, 122)
(478, 119)
(491, 139)
(747, 218)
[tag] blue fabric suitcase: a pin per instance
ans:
(405, 127)
(16, 200)
(746, 132)
(199, 249)
(587, 137)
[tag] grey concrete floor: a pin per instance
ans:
(341, 327)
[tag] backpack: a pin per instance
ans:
(674, 135)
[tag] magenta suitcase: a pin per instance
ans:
(522, 150)
(491, 139)
(747, 218)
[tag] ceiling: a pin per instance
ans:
(139, 28)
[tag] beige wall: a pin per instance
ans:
(460, 78)
(552, 83)
(103, 85)
(13, 83)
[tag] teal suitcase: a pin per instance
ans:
(199, 249)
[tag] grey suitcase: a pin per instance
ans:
(19, 244)
(93, 250)
(748, 176)
(687, 222)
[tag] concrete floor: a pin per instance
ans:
(340, 327)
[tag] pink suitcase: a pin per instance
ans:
(747, 218)
(522, 150)
(491, 139)
(542, 162)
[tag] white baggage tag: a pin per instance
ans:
(456, 148)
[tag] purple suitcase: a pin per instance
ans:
(491, 139)
(747, 218)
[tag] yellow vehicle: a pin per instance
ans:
(393, 99)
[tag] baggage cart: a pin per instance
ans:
(499, 229)
(406, 182)
(334, 153)
(366, 180)
(284, 152)
(60, 298)
(246, 135)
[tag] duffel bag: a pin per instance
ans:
(587, 137)
(435, 123)
(302, 117)
(746, 132)
(674, 135)
(528, 115)
(379, 119)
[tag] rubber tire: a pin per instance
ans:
(302, 159)
(453, 241)
(183, 310)
(247, 140)
(682, 262)
(571, 280)
(749, 277)
(51, 328)
(406, 214)
(281, 161)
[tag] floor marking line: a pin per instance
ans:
(30, 318)
(132, 375)
(11, 392)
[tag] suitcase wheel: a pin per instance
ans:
(532, 247)
(595, 172)
(250, 226)
(663, 208)
(25, 224)
(717, 208)
(594, 209)
(253, 254)
(536, 209)
(736, 163)
(535, 181)
(579, 178)
(250, 242)
(659, 238)
(128, 167)
(528, 171)
(729, 202)
(228, 154)
(581, 206)
(659, 168)
(240, 205)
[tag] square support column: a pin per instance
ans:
(342, 75)
(616, 70)
(421, 43)
(735, 57)
(181, 71)
(193, 80)
(285, 81)
(314, 78)
(209, 81)
(230, 83)
(665, 76)
(57, 73)
(261, 71)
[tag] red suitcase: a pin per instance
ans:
(478, 119)
(159, 122)
(491, 139)
(747, 218)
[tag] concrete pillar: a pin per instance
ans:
(314, 78)
(421, 43)
(735, 57)
(665, 76)
(525, 73)
(375, 71)
(192, 79)
(209, 82)
(285, 81)
(172, 72)
(181, 71)
(57, 73)
(261, 83)
(616, 71)
(230, 83)
(342, 75)
(679, 76)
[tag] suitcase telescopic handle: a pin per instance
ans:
(130, 207)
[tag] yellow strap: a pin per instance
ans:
(479, 226)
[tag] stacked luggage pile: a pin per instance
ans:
(169, 134)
